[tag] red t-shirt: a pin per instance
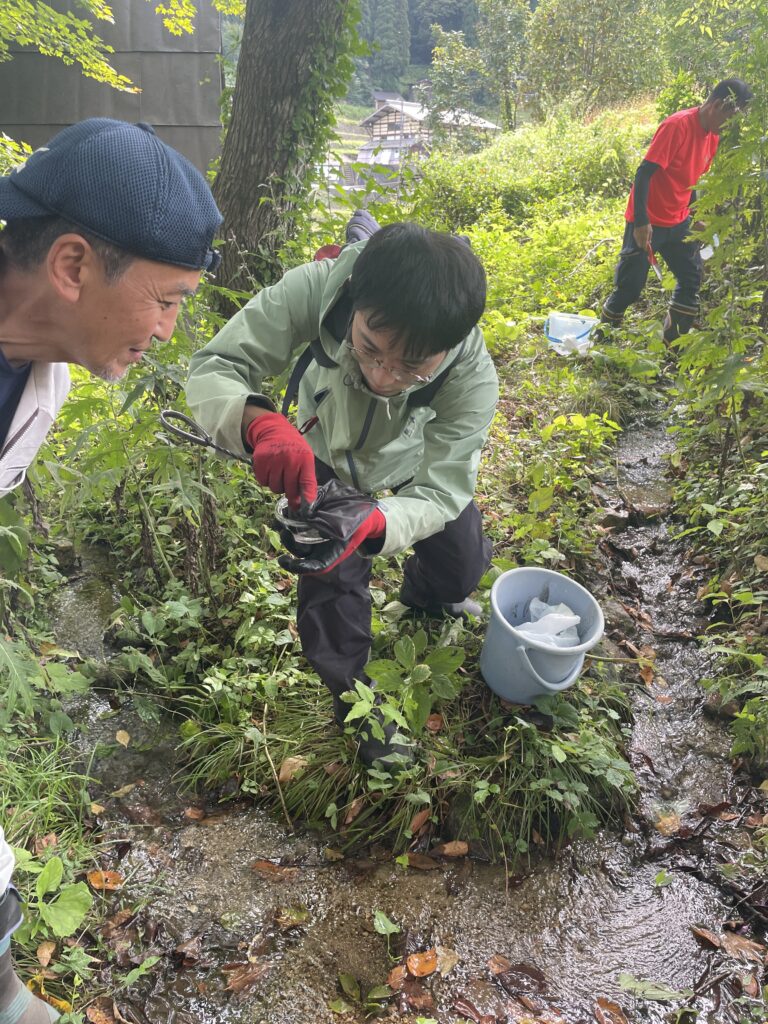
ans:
(683, 151)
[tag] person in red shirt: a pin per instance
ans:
(658, 213)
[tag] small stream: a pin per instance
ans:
(582, 919)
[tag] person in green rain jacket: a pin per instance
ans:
(396, 396)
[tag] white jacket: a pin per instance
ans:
(46, 388)
(43, 396)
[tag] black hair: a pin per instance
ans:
(427, 287)
(735, 91)
(26, 241)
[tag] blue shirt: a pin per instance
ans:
(12, 382)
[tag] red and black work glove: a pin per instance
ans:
(343, 515)
(282, 460)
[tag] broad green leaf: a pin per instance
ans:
(405, 652)
(350, 986)
(50, 877)
(382, 923)
(445, 659)
(67, 912)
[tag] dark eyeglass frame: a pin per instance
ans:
(401, 376)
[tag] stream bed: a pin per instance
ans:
(222, 890)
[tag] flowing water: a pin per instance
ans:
(582, 919)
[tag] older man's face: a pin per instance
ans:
(120, 321)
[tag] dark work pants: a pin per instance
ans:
(334, 609)
(683, 259)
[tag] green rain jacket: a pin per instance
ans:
(371, 442)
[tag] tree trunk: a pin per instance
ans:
(287, 77)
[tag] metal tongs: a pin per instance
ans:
(196, 434)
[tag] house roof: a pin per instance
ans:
(417, 112)
(380, 94)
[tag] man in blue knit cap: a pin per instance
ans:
(107, 230)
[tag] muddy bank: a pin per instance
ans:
(231, 900)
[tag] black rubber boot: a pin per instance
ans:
(370, 749)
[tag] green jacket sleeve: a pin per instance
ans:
(260, 341)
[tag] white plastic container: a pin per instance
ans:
(568, 333)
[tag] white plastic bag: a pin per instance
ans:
(553, 624)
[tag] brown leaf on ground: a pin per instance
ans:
(115, 923)
(44, 953)
(422, 964)
(761, 563)
(434, 723)
(397, 977)
(742, 948)
(105, 881)
(668, 824)
(194, 813)
(522, 979)
(420, 819)
(608, 1012)
(354, 809)
(243, 978)
(446, 959)
(498, 964)
(46, 843)
(123, 737)
(456, 848)
(467, 1009)
(749, 985)
(422, 862)
(124, 790)
(756, 820)
(414, 996)
(97, 808)
(100, 1011)
(190, 952)
(706, 936)
(290, 767)
(274, 872)
(647, 674)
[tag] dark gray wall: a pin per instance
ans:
(179, 77)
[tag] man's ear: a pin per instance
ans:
(70, 262)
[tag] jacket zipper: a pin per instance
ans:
(13, 441)
(361, 441)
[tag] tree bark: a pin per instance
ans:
(279, 112)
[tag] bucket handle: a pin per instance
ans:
(551, 687)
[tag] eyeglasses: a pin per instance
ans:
(401, 376)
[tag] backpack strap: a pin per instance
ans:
(418, 399)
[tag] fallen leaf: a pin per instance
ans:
(290, 767)
(761, 563)
(434, 723)
(396, 977)
(97, 808)
(456, 848)
(750, 986)
(646, 674)
(422, 964)
(46, 843)
(742, 948)
(755, 821)
(354, 809)
(123, 737)
(105, 880)
(608, 1012)
(276, 872)
(100, 1011)
(522, 979)
(420, 819)
(350, 986)
(194, 813)
(124, 790)
(728, 816)
(706, 936)
(422, 862)
(413, 996)
(190, 952)
(668, 824)
(498, 964)
(243, 978)
(463, 1006)
(291, 917)
(446, 959)
(332, 855)
(44, 953)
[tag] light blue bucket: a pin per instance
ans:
(520, 668)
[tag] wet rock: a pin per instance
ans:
(616, 616)
(613, 518)
(65, 553)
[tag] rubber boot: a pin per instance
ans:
(678, 321)
(17, 1004)
(370, 749)
(453, 610)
